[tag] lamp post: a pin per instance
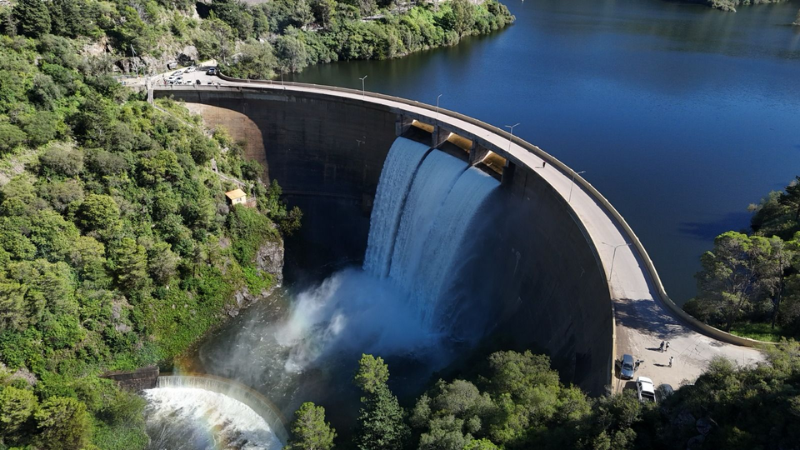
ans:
(614, 255)
(437, 106)
(362, 84)
(573, 184)
(511, 136)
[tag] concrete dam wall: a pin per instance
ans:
(534, 269)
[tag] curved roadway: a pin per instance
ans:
(642, 320)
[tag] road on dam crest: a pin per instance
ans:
(642, 318)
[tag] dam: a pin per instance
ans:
(553, 267)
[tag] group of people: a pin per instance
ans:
(664, 347)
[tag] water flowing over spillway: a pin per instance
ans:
(438, 206)
(398, 173)
(403, 304)
(189, 413)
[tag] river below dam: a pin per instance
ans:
(680, 115)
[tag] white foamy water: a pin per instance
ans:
(433, 182)
(398, 171)
(197, 419)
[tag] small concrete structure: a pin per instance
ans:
(237, 197)
(135, 380)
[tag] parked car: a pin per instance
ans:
(646, 390)
(177, 72)
(664, 391)
(190, 69)
(627, 368)
(198, 81)
(211, 71)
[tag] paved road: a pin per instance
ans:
(642, 321)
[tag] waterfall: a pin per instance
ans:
(193, 406)
(448, 236)
(419, 224)
(435, 178)
(398, 172)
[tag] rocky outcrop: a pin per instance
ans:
(269, 260)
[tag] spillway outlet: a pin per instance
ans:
(422, 126)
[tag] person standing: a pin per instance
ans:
(661, 348)
(667, 347)
(670, 361)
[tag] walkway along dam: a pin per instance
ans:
(559, 268)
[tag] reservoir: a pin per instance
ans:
(679, 114)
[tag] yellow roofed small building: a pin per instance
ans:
(237, 197)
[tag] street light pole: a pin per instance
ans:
(614, 256)
(437, 106)
(362, 84)
(511, 136)
(573, 184)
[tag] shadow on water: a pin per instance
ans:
(707, 231)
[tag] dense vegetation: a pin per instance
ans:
(750, 283)
(117, 248)
(254, 40)
(730, 5)
(519, 403)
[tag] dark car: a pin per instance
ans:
(211, 71)
(198, 81)
(628, 367)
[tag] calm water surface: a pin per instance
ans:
(680, 115)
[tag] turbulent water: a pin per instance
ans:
(196, 419)
(425, 203)
(304, 345)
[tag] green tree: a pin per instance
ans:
(16, 409)
(463, 16)
(12, 306)
(310, 431)
(162, 263)
(33, 17)
(130, 263)
(64, 424)
(99, 212)
(729, 280)
(381, 423)
(11, 137)
(62, 160)
(372, 374)
(791, 197)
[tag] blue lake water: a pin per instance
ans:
(679, 114)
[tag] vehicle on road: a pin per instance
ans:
(210, 82)
(627, 368)
(177, 72)
(646, 390)
(198, 82)
(211, 71)
(190, 69)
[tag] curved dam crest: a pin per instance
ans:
(542, 265)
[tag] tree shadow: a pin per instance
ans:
(707, 231)
(650, 318)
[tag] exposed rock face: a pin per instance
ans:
(269, 259)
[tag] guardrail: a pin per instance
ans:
(642, 254)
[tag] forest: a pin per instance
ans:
(252, 41)
(516, 401)
(750, 281)
(117, 246)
